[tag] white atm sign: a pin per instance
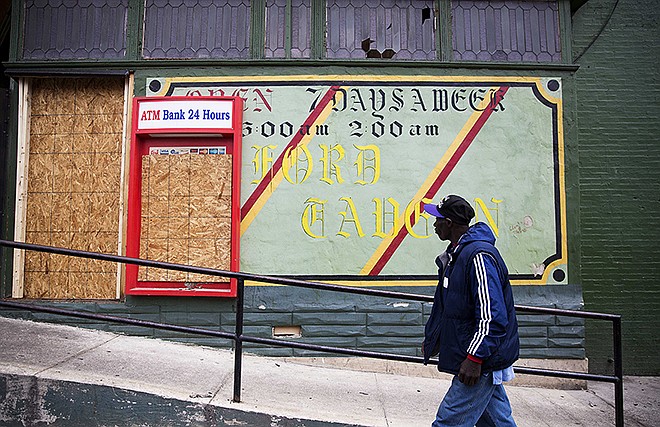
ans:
(181, 115)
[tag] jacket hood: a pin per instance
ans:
(478, 232)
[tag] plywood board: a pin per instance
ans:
(74, 185)
(39, 284)
(186, 213)
(40, 173)
(39, 219)
(61, 213)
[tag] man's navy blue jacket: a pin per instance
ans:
(473, 306)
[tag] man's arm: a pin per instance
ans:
(490, 316)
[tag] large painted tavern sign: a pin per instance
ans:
(335, 169)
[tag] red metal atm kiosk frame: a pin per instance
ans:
(174, 123)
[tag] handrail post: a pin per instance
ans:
(238, 340)
(618, 372)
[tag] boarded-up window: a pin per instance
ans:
(186, 214)
(60, 29)
(74, 168)
(508, 30)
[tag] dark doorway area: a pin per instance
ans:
(5, 31)
(5, 187)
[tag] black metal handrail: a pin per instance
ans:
(238, 337)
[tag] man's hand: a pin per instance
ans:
(469, 373)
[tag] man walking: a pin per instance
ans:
(472, 326)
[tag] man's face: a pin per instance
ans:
(441, 229)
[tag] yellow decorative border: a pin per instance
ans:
(538, 82)
(357, 78)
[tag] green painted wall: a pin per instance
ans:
(353, 321)
(326, 318)
(619, 170)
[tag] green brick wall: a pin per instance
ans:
(325, 318)
(618, 92)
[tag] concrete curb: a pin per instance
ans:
(33, 401)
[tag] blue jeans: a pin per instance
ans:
(483, 405)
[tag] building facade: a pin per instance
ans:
(351, 114)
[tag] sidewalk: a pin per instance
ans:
(46, 369)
